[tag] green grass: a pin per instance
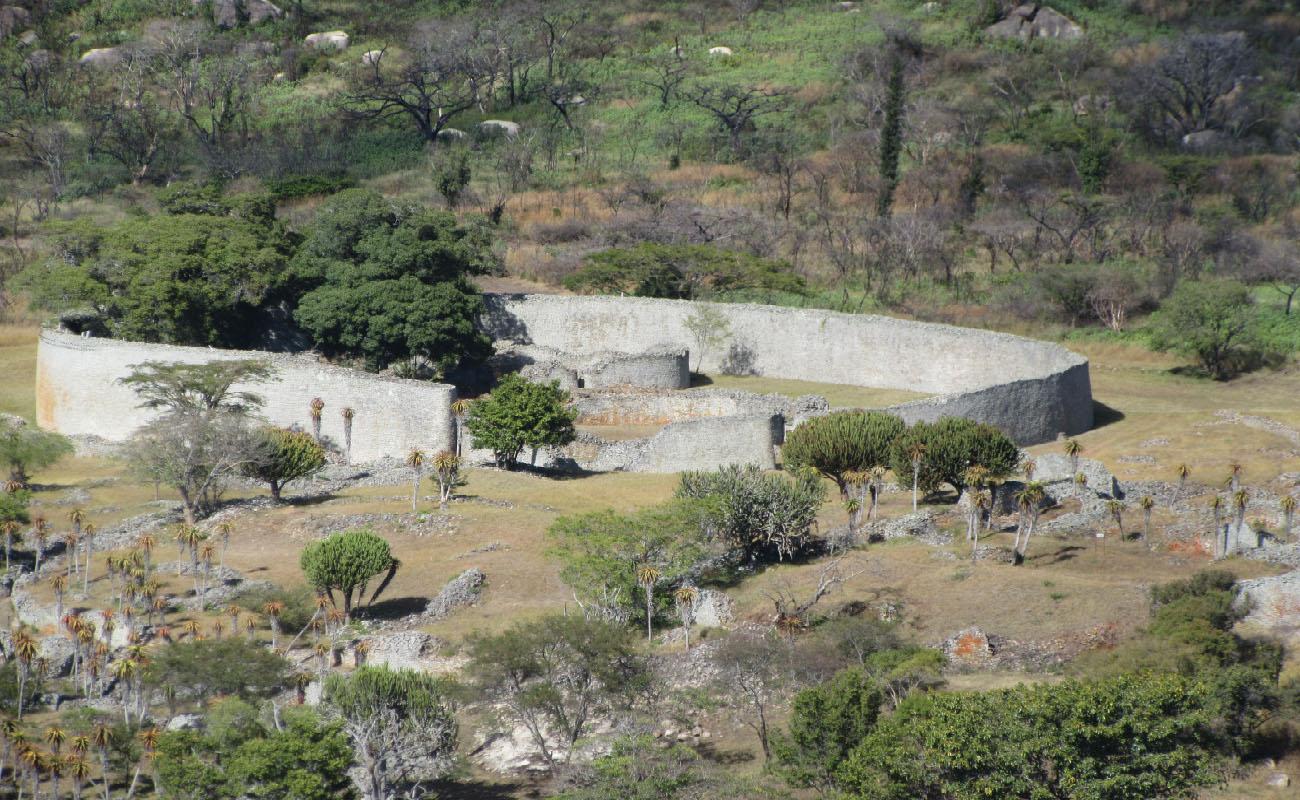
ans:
(18, 370)
(837, 394)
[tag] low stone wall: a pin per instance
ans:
(663, 408)
(653, 368)
(78, 392)
(1030, 389)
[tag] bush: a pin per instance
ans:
(285, 455)
(682, 271)
(1126, 738)
(293, 187)
(24, 448)
(201, 669)
(1211, 321)
(758, 517)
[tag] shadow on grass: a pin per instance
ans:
(724, 757)
(395, 608)
(1067, 553)
(1103, 415)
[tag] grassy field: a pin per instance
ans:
(839, 395)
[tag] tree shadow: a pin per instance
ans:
(717, 755)
(473, 790)
(1103, 415)
(698, 379)
(394, 608)
(309, 499)
(1067, 553)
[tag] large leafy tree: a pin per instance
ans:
(196, 279)
(842, 443)
(400, 723)
(238, 754)
(948, 448)
(347, 562)
(388, 284)
(827, 722)
(518, 414)
(1126, 738)
(202, 669)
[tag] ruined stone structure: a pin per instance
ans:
(1030, 389)
(78, 392)
(626, 360)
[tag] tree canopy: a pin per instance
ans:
(951, 446)
(518, 414)
(842, 442)
(24, 448)
(681, 271)
(286, 455)
(347, 562)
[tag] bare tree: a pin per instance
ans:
(736, 107)
(667, 71)
(1186, 89)
(753, 671)
(429, 87)
(212, 91)
(124, 118)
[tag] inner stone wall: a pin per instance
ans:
(1030, 389)
(78, 392)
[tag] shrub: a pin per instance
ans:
(293, 187)
(201, 669)
(285, 455)
(24, 448)
(683, 271)
(758, 517)
(1211, 321)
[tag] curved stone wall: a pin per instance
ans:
(1032, 390)
(77, 392)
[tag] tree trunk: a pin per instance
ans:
(275, 491)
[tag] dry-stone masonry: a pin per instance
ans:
(1030, 389)
(78, 392)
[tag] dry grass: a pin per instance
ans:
(18, 370)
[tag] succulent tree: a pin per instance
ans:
(447, 471)
(346, 563)
(1072, 451)
(1030, 500)
(316, 409)
(1288, 506)
(348, 415)
(415, 460)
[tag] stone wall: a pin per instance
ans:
(77, 392)
(651, 368)
(1033, 390)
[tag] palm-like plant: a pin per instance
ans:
(40, 538)
(273, 610)
(1116, 510)
(856, 483)
(647, 575)
(224, 529)
(1184, 472)
(88, 532)
(78, 770)
(415, 460)
(1028, 467)
(685, 598)
(359, 652)
(1216, 508)
(1072, 451)
(25, 650)
(446, 468)
(77, 517)
(876, 485)
(1030, 500)
(59, 585)
(101, 736)
(1240, 499)
(916, 454)
(348, 415)
(980, 500)
(460, 412)
(1234, 476)
(1288, 506)
(317, 407)
(1146, 504)
(11, 527)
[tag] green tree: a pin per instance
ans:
(950, 447)
(826, 723)
(891, 133)
(554, 675)
(237, 755)
(286, 455)
(843, 442)
(756, 516)
(347, 562)
(389, 284)
(193, 279)
(709, 328)
(178, 387)
(602, 551)
(681, 271)
(451, 174)
(1210, 321)
(200, 669)
(25, 448)
(1074, 739)
(400, 723)
(518, 414)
